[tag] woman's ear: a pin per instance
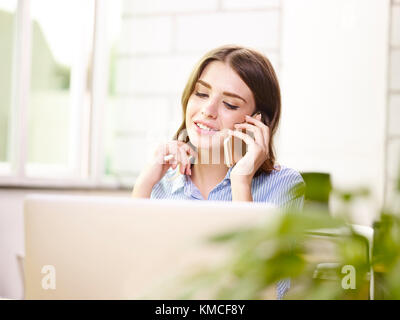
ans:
(266, 120)
(264, 117)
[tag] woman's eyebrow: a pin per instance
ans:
(229, 94)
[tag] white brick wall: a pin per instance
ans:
(393, 132)
(249, 4)
(395, 39)
(153, 74)
(132, 154)
(142, 114)
(393, 159)
(254, 29)
(146, 35)
(156, 7)
(395, 69)
(334, 98)
(394, 115)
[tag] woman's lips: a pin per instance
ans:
(205, 132)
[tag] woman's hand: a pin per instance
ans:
(257, 149)
(170, 154)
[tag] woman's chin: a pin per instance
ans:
(206, 142)
(200, 141)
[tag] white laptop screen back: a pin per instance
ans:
(111, 248)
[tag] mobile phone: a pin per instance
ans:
(235, 148)
(228, 156)
(264, 117)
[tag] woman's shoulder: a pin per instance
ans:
(171, 179)
(284, 172)
(282, 178)
(279, 186)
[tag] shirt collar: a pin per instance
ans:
(228, 174)
(180, 180)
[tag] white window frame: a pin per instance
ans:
(86, 137)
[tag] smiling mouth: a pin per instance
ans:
(204, 129)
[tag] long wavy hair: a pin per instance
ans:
(257, 72)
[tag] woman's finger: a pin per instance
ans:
(178, 152)
(187, 148)
(170, 156)
(243, 136)
(255, 121)
(184, 152)
(184, 160)
(258, 134)
(261, 125)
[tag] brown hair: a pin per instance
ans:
(257, 72)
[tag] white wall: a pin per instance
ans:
(333, 77)
(393, 113)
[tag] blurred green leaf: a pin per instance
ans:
(290, 248)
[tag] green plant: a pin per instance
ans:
(265, 254)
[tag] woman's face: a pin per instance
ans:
(219, 100)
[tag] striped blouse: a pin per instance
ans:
(277, 188)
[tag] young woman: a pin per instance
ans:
(231, 89)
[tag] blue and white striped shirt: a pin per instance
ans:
(277, 188)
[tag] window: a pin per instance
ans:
(91, 87)
(59, 97)
(46, 104)
(143, 96)
(7, 22)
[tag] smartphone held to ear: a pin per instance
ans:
(235, 148)
(228, 151)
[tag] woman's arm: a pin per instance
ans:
(142, 189)
(241, 189)
(157, 168)
(144, 184)
(141, 192)
(257, 153)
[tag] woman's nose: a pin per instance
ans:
(210, 109)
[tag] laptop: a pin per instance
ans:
(87, 247)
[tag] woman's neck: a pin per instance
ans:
(208, 171)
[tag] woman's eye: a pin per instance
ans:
(205, 95)
(232, 107)
(201, 95)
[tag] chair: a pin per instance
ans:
(328, 270)
(318, 189)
